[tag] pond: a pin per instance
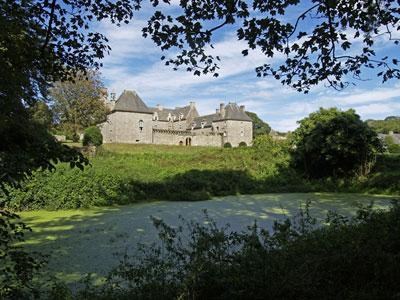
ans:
(93, 241)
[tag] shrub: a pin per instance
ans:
(17, 266)
(242, 144)
(392, 147)
(357, 258)
(335, 143)
(92, 136)
(227, 145)
(75, 137)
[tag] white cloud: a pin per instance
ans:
(357, 97)
(378, 109)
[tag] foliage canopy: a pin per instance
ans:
(330, 42)
(335, 143)
(79, 104)
(259, 126)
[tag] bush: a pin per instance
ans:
(92, 136)
(392, 147)
(334, 143)
(17, 267)
(227, 145)
(75, 137)
(356, 258)
(242, 144)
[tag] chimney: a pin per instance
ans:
(242, 108)
(159, 107)
(222, 110)
(192, 104)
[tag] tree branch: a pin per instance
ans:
(49, 27)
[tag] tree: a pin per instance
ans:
(80, 103)
(40, 42)
(42, 114)
(259, 126)
(392, 118)
(328, 41)
(335, 143)
(43, 42)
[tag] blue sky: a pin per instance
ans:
(134, 63)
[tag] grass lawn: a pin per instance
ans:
(94, 240)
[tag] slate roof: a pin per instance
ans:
(208, 119)
(233, 112)
(131, 102)
(163, 114)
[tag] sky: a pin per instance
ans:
(134, 64)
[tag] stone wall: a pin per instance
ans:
(123, 127)
(214, 140)
(169, 137)
(237, 132)
(185, 138)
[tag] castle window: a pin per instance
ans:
(242, 133)
(141, 125)
(203, 123)
(155, 117)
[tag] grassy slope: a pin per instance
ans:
(122, 174)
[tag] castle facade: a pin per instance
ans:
(132, 121)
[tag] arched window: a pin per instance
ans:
(141, 124)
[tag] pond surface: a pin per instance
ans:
(93, 241)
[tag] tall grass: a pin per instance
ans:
(122, 174)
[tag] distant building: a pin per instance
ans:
(132, 121)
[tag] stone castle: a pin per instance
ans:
(132, 121)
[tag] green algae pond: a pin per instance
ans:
(78, 242)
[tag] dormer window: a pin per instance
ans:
(203, 123)
(180, 116)
(141, 124)
(155, 117)
(193, 125)
(169, 118)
